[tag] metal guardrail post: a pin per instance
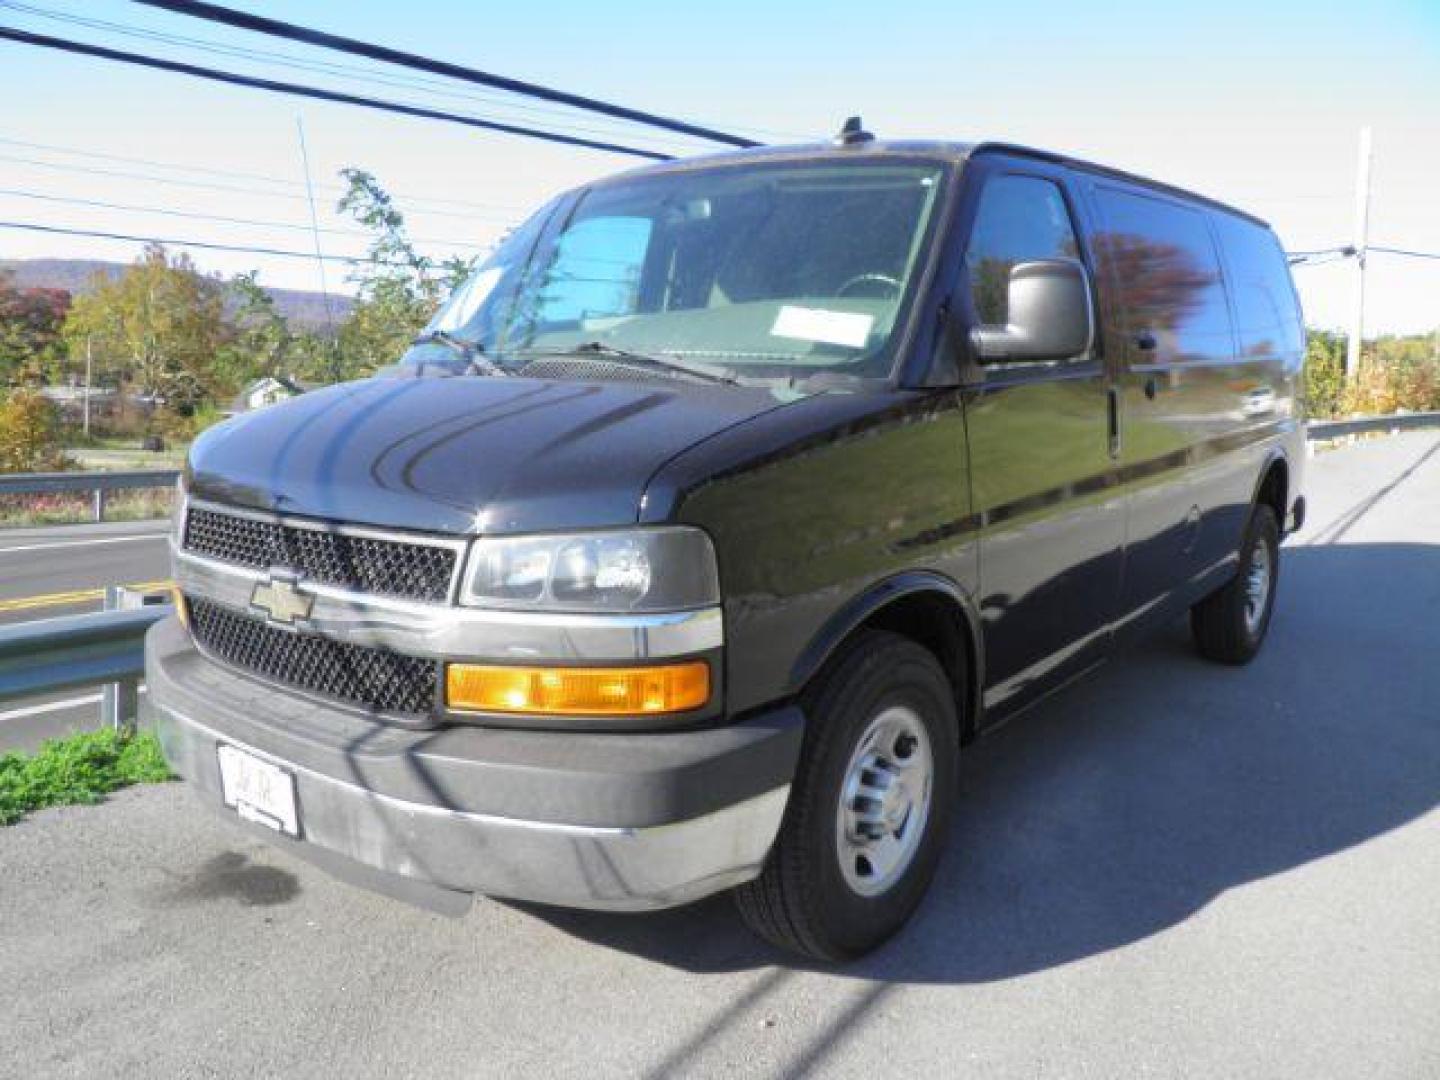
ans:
(98, 504)
(119, 701)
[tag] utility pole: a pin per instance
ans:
(89, 383)
(1362, 239)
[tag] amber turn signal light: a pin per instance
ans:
(610, 691)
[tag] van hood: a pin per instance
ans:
(466, 454)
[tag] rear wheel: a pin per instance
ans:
(1229, 625)
(869, 809)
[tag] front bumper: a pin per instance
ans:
(608, 820)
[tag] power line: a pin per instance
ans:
(1348, 251)
(1405, 251)
(30, 226)
(418, 205)
(220, 218)
(559, 118)
(275, 28)
(277, 87)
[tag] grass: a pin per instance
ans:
(74, 507)
(79, 769)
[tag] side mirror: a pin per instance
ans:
(1050, 315)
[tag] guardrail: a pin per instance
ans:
(1359, 425)
(97, 483)
(45, 655)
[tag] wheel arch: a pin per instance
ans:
(1272, 487)
(926, 607)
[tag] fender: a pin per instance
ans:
(881, 595)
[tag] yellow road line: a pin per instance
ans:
(77, 596)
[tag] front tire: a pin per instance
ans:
(870, 805)
(1229, 625)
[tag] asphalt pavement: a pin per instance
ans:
(64, 570)
(1172, 869)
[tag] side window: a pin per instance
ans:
(1161, 262)
(1267, 318)
(1020, 219)
(595, 270)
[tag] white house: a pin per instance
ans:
(265, 391)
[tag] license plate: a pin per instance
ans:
(258, 791)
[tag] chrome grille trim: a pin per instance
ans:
(463, 633)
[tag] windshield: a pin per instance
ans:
(774, 271)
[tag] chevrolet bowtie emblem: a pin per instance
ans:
(281, 601)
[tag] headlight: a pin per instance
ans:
(629, 570)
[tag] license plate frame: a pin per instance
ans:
(258, 790)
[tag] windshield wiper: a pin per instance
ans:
(665, 360)
(477, 362)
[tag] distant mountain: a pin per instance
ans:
(304, 309)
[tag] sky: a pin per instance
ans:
(1256, 103)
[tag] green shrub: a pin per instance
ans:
(29, 433)
(1325, 374)
(82, 768)
(1396, 373)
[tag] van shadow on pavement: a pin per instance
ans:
(1129, 801)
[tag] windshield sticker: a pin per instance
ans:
(848, 328)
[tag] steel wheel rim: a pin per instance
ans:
(1257, 585)
(884, 800)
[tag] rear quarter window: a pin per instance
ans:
(1267, 316)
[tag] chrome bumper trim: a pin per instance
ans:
(449, 632)
(617, 869)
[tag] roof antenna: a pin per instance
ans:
(853, 133)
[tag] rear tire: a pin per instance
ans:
(1229, 625)
(870, 805)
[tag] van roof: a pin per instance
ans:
(952, 151)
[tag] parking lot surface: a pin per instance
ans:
(1170, 869)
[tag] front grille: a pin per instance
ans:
(377, 679)
(413, 571)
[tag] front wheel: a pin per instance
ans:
(870, 806)
(1229, 625)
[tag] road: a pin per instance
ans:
(63, 570)
(1172, 869)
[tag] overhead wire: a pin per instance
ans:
(219, 218)
(561, 119)
(216, 13)
(424, 205)
(31, 226)
(297, 90)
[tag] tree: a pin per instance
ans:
(159, 327)
(261, 340)
(30, 330)
(399, 289)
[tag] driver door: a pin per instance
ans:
(1042, 463)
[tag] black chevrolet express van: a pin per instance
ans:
(714, 514)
